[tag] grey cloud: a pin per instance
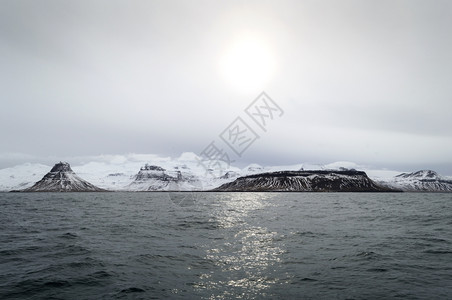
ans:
(85, 78)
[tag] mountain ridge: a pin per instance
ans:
(188, 175)
(306, 181)
(421, 181)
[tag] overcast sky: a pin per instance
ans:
(362, 81)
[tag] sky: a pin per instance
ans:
(361, 81)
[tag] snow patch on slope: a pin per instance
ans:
(21, 176)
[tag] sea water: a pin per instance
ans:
(225, 245)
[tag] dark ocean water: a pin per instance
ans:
(225, 245)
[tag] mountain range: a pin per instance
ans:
(186, 174)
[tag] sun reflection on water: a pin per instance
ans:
(246, 252)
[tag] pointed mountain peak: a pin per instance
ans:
(61, 178)
(61, 167)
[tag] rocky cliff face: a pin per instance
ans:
(305, 181)
(421, 181)
(61, 178)
(155, 178)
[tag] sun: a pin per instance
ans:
(248, 64)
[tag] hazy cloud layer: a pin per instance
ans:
(364, 81)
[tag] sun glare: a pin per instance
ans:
(248, 64)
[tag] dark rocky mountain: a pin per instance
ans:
(421, 181)
(61, 178)
(306, 181)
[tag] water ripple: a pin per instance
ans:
(225, 245)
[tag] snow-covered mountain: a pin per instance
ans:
(107, 176)
(156, 178)
(305, 181)
(123, 174)
(421, 181)
(21, 176)
(135, 173)
(61, 178)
